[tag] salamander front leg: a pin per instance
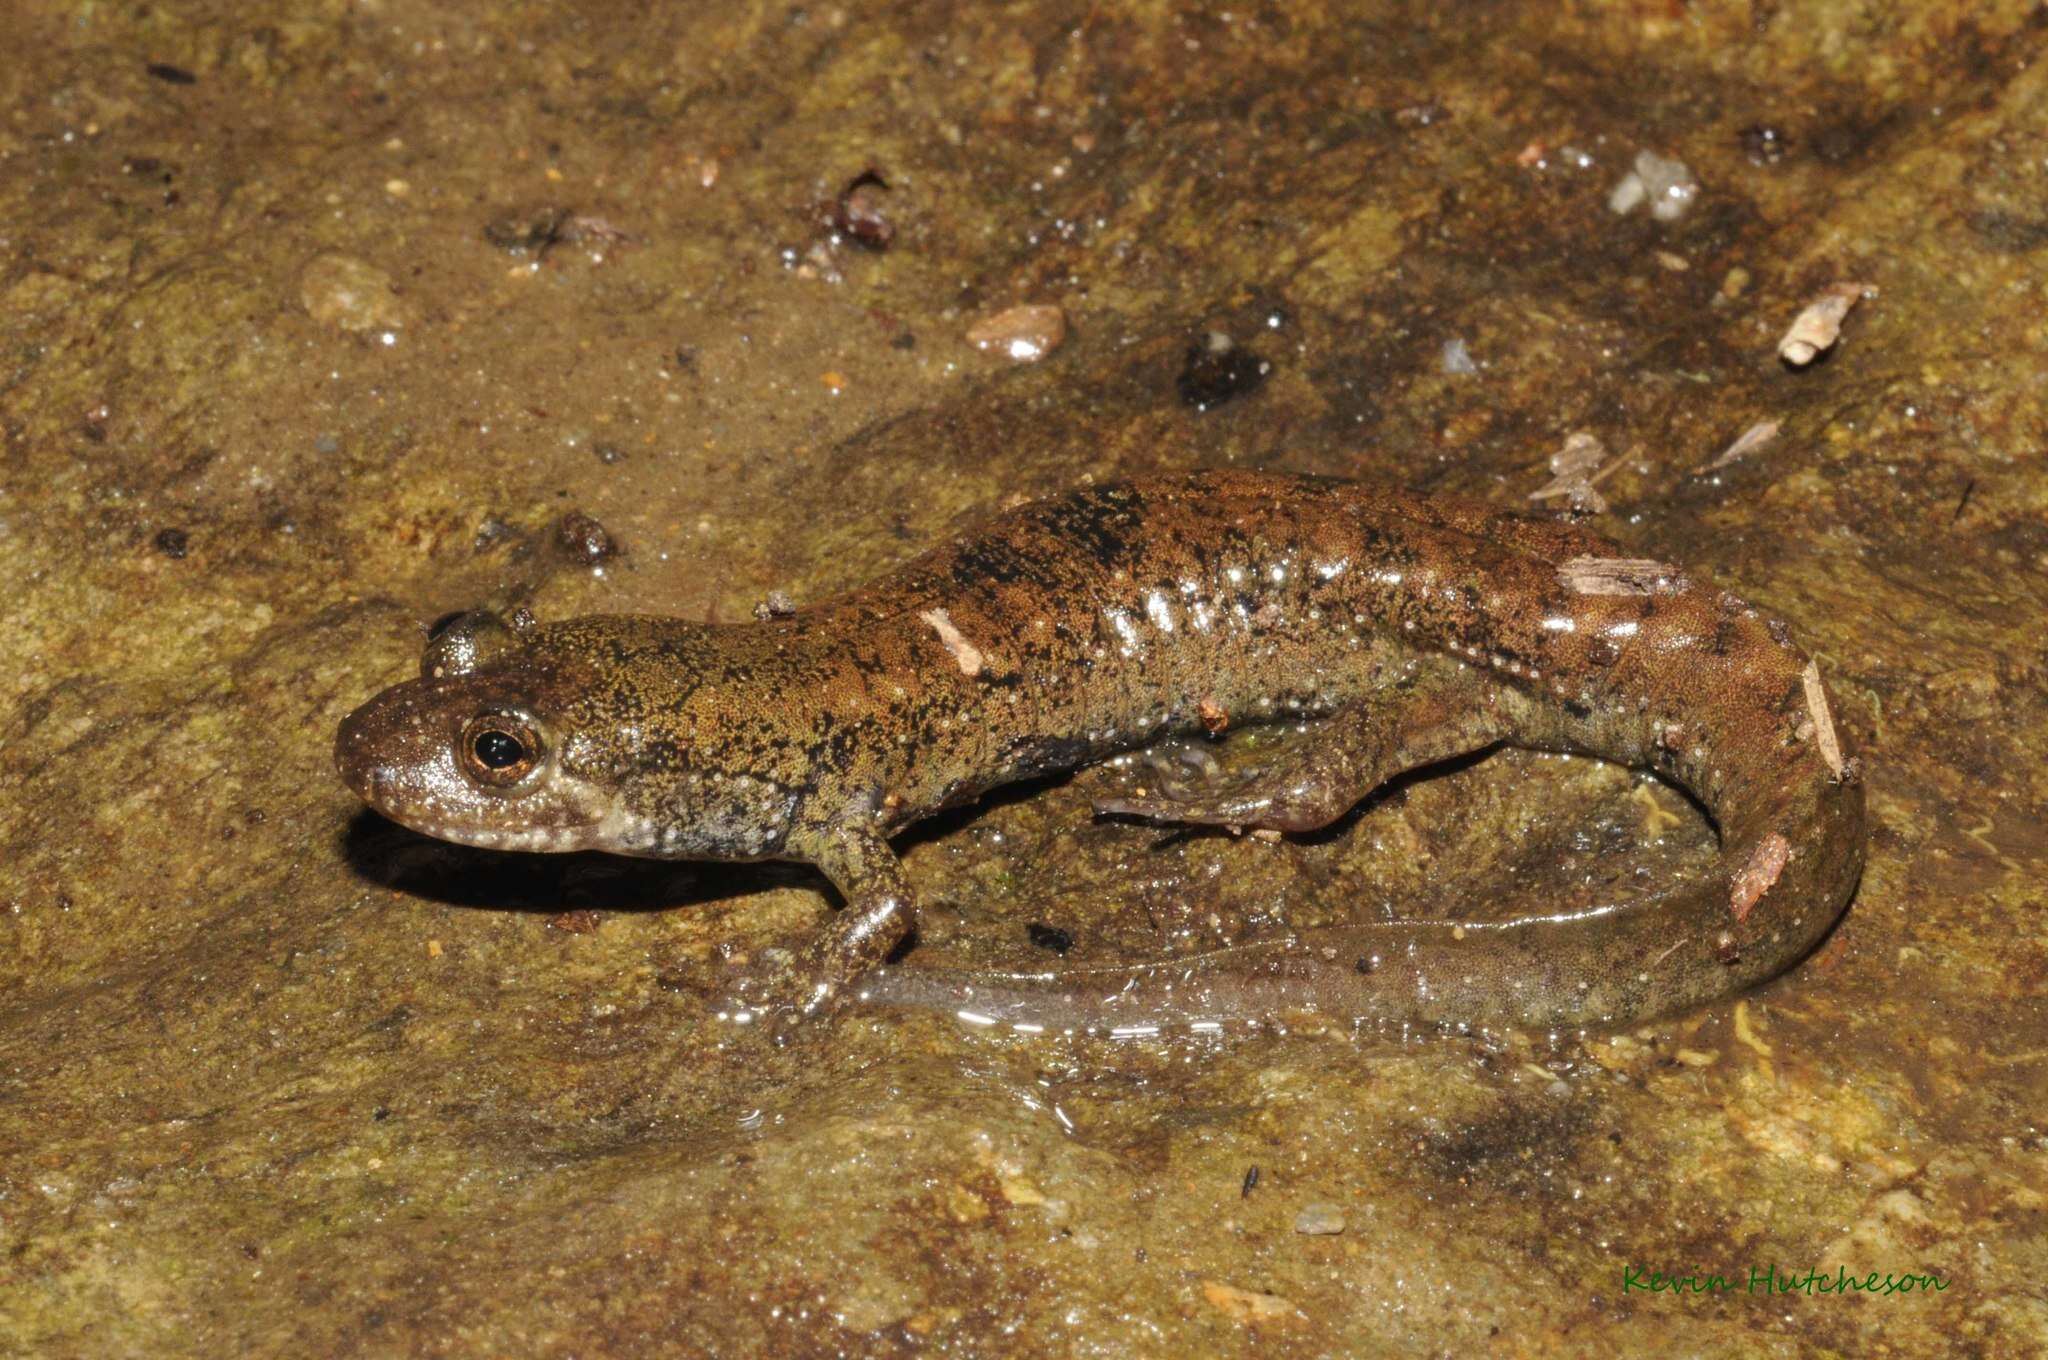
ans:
(877, 916)
(1337, 763)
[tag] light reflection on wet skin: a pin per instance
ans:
(1593, 836)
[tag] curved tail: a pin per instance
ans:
(1743, 725)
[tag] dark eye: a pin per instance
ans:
(499, 750)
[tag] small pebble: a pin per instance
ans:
(859, 214)
(1050, 937)
(1319, 1220)
(532, 228)
(1764, 144)
(342, 291)
(584, 539)
(1025, 333)
(1217, 369)
(1665, 183)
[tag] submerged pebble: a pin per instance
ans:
(1664, 182)
(1025, 333)
(340, 290)
(584, 539)
(860, 214)
(1217, 369)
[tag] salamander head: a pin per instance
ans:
(569, 737)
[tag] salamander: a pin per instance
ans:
(1409, 628)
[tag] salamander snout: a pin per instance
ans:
(467, 759)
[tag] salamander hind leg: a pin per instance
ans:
(1318, 776)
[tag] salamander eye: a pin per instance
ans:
(499, 750)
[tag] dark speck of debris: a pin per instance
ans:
(173, 543)
(1251, 1183)
(777, 606)
(171, 75)
(1421, 115)
(1050, 937)
(1216, 369)
(528, 229)
(858, 214)
(148, 167)
(904, 341)
(584, 539)
(1764, 144)
(381, 1113)
(686, 358)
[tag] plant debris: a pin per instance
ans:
(1574, 469)
(1748, 442)
(1814, 331)
(1620, 576)
(965, 654)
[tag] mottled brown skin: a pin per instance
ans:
(1417, 628)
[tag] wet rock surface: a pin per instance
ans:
(280, 387)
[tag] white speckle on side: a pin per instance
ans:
(1125, 629)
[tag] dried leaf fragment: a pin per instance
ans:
(1748, 442)
(1823, 721)
(965, 654)
(1814, 331)
(1766, 862)
(1574, 469)
(1247, 1306)
(1620, 576)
